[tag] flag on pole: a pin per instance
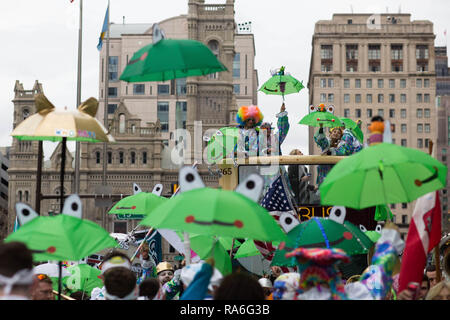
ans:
(104, 29)
(276, 201)
(423, 235)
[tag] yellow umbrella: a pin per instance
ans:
(62, 125)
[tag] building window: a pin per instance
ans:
(323, 97)
(392, 83)
(346, 83)
(112, 108)
(358, 113)
(138, 89)
(369, 98)
(396, 58)
(419, 128)
(351, 54)
(391, 113)
(323, 83)
(347, 113)
(380, 98)
(144, 157)
(121, 157)
(236, 88)
(420, 143)
(369, 113)
(326, 51)
(421, 52)
(120, 227)
(380, 83)
(109, 157)
(181, 86)
(113, 68)
(381, 112)
(404, 143)
(393, 130)
(403, 113)
(20, 196)
(237, 65)
(163, 115)
(426, 83)
(391, 98)
(403, 83)
(426, 97)
(403, 126)
(357, 83)
(122, 123)
(419, 113)
(330, 83)
(346, 98)
(402, 98)
(427, 113)
(419, 97)
(358, 98)
(418, 83)
(133, 157)
(374, 57)
(331, 97)
(368, 83)
(427, 128)
(112, 92)
(163, 89)
(180, 115)
(97, 157)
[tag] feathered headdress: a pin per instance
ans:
(246, 112)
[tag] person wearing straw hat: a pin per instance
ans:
(16, 271)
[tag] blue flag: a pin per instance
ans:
(104, 29)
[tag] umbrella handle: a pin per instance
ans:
(187, 248)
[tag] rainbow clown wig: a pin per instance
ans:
(246, 112)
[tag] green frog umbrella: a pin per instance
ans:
(216, 212)
(221, 144)
(247, 249)
(83, 278)
(354, 127)
(167, 59)
(62, 237)
(140, 203)
(331, 232)
(281, 83)
(321, 116)
(382, 174)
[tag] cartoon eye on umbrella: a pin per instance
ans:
(332, 232)
(321, 116)
(140, 203)
(382, 174)
(281, 83)
(167, 59)
(63, 237)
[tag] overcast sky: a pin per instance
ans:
(40, 42)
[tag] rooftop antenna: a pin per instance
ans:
(400, 8)
(351, 8)
(123, 19)
(387, 10)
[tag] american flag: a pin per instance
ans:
(276, 201)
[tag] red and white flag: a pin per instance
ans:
(423, 235)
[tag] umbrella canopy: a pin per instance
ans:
(323, 233)
(321, 116)
(247, 249)
(281, 84)
(51, 124)
(354, 128)
(216, 212)
(222, 144)
(169, 59)
(83, 277)
(141, 203)
(62, 237)
(382, 174)
(51, 270)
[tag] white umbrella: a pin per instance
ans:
(255, 264)
(51, 270)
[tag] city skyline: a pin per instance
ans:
(42, 40)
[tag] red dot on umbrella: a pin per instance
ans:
(51, 249)
(332, 120)
(348, 235)
(133, 207)
(189, 219)
(238, 223)
(318, 119)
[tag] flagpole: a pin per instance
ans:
(437, 254)
(105, 114)
(78, 144)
